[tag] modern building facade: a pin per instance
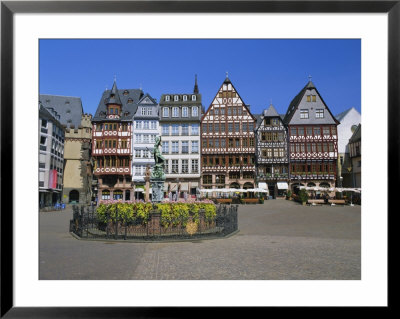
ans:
(272, 153)
(145, 130)
(112, 130)
(51, 157)
(180, 131)
(228, 141)
(349, 120)
(78, 139)
(313, 140)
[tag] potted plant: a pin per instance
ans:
(303, 196)
(288, 194)
(261, 199)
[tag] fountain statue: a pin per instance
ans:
(157, 177)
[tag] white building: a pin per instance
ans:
(51, 156)
(180, 116)
(145, 129)
(349, 121)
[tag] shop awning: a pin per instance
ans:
(263, 185)
(282, 185)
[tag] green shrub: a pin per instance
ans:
(303, 195)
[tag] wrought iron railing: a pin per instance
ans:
(86, 225)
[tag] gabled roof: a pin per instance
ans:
(270, 112)
(129, 99)
(68, 107)
(356, 135)
(294, 105)
(113, 97)
(227, 81)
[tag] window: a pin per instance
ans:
(146, 138)
(230, 142)
(220, 179)
(237, 127)
(185, 166)
(167, 98)
(304, 114)
(165, 147)
(223, 143)
(195, 111)
(195, 146)
(252, 142)
(153, 138)
(251, 127)
(165, 130)
(195, 129)
(176, 98)
(153, 125)
(216, 111)
(143, 111)
(195, 166)
(44, 123)
(275, 122)
(166, 166)
(175, 111)
(175, 166)
(193, 97)
(185, 97)
(308, 98)
(146, 125)
(185, 129)
(138, 153)
(317, 131)
(138, 124)
(165, 111)
(314, 98)
(301, 131)
(319, 113)
(245, 142)
(43, 140)
(210, 128)
(216, 143)
(204, 128)
(185, 111)
(325, 130)
(175, 129)
(223, 128)
(237, 142)
(207, 179)
(244, 127)
(175, 147)
(210, 143)
(281, 152)
(185, 147)
(230, 127)
(216, 128)
(222, 111)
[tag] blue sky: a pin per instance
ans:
(261, 70)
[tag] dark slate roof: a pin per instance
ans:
(125, 96)
(259, 118)
(356, 135)
(69, 108)
(270, 112)
(49, 115)
(294, 105)
(114, 96)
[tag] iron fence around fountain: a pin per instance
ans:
(85, 224)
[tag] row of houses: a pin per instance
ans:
(108, 155)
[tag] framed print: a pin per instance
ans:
(28, 26)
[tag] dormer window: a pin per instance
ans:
(176, 98)
(126, 92)
(193, 97)
(185, 97)
(66, 102)
(68, 111)
(167, 98)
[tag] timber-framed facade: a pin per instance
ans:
(313, 140)
(272, 153)
(228, 141)
(111, 147)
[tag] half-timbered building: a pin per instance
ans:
(313, 140)
(111, 146)
(227, 141)
(271, 152)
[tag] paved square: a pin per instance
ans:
(279, 240)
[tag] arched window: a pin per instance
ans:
(74, 196)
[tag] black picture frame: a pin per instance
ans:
(9, 8)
